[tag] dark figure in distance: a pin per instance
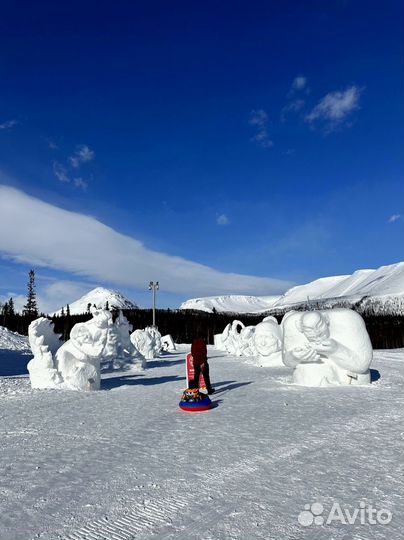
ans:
(200, 357)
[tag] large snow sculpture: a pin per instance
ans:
(44, 343)
(79, 359)
(119, 352)
(268, 342)
(147, 342)
(327, 347)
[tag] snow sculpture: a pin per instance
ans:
(167, 343)
(119, 352)
(246, 343)
(79, 359)
(231, 337)
(268, 342)
(44, 343)
(147, 342)
(327, 347)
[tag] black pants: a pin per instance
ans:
(204, 368)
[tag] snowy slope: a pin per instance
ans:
(99, 296)
(234, 303)
(126, 463)
(12, 341)
(383, 285)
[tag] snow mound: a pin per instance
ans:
(13, 341)
(382, 288)
(99, 297)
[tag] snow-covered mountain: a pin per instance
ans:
(382, 288)
(231, 303)
(99, 297)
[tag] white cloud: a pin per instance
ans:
(9, 124)
(299, 82)
(44, 235)
(52, 145)
(293, 107)
(259, 119)
(60, 172)
(222, 219)
(335, 107)
(395, 217)
(82, 154)
(80, 183)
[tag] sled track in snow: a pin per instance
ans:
(143, 517)
(153, 513)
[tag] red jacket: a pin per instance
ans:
(199, 352)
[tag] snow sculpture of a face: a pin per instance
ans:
(315, 326)
(268, 343)
(327, 347)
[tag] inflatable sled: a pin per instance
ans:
(194, 401)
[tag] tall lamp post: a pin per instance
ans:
(154, 286)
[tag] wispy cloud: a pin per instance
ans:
(299, 82)
(334, 108)
(84, 246)
(292, 107)
(259, 119)
(222, 219)
(395, 217)
(8, 124)
(82, 154)
(80, 183)
(60, 172)
(52, 145)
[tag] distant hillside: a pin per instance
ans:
(379, 291)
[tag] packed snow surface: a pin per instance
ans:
(99, 297)
(382, 283)
(126, 463)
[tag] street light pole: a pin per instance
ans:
(154, 286)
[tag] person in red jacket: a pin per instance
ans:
(200, 360)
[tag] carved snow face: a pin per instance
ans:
(315, 327)
(267, 339)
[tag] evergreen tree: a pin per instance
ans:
(107, 305)
(30, 307)
(89, 307)
(62, 313)
(68, 310)
(11, 310)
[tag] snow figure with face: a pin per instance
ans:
(327, 347)
(78, 360)
(268, 343)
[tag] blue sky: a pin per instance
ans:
(211, 141)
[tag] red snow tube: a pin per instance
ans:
(194, 401)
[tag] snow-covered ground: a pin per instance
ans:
(126, 463)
